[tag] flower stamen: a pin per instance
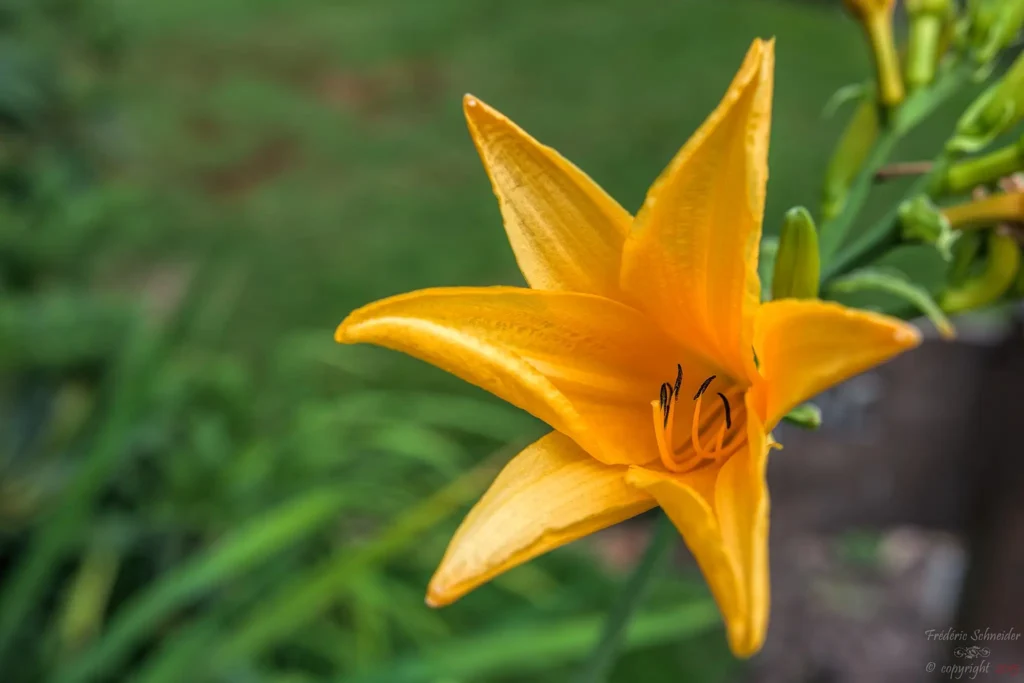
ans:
(700, 454)
(666, 410)
(728, 411)
(704, 387)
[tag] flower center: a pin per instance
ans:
(699, 450)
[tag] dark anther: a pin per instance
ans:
(704, 387)
(679, 381)
(666, 400)
(728, 414)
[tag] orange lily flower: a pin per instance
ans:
(644, 344)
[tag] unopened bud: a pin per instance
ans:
(797, 267)
(849, 156)
(921, 220)
(969, 173)
(995, 111)
(989, 210)
(876, 18)
(928, 18)
(992, 25)
(1001, 266)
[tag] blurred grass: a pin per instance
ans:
(197, 483)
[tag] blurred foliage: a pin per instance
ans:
(195, 483)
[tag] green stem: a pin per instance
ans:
(873, 242)
(836, 258)
(887, 61)
(833, 233)
(603, 656)
(924, 39)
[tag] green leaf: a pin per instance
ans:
(537, 647)
(236, 554)
(851, 92)
(306, 597)
(466, 414)
(895, 283)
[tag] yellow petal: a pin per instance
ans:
(548, 495)
(807, 346)
(688, 500)
(741, 504)
(722, 513)
(566, 232)
(586, 365)
(691, 258)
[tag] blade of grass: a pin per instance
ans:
(302, 600)
(124, 392)
(603, 656)
(536, 647)
(249, 545)
(32, 574)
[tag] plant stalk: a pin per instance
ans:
(604, 654)
(837, 256)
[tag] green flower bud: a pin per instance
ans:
(1001, 267)
(995, 111)
(876, 18)
(849, 156)
(928, 18)
(965, 175)
(992, 25)
(797, 267)
(921, 220)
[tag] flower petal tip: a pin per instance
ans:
(762, 50)
(907, 335)
(438, 598)
(745, 636)
(341, 334)
(745, 650)
(476, 109)
(479, 115)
